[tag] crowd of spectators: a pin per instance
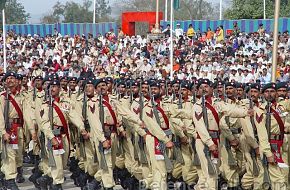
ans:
(236, 56)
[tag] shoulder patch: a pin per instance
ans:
(150, 114)
(198, 116)
(41, 113)
(259, 118)
(137, 111)
(92, 108)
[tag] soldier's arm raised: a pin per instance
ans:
(231, 110)
(180, 113)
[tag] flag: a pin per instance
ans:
(176, 4)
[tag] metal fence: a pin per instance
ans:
(247, 26)
(63, 28)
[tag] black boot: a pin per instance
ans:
(36, 174)
(44, 181)
(111, 188)
(19, 177)
(93, 185)
(11, 185)
(82, 179)
(132, 183)
(73, 164)
(235, 188)
(75, 175)
(222, 182)
(123, 175)
(56, 187)
(190, 187)
(2, 181)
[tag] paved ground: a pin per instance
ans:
(68, 184)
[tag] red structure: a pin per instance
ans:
(129, 19)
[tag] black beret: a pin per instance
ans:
(233, 84)
(9, 74)
(240, 85)
(90, 81)
(38, 77)
(121, 83)
(54, 82)
(281, 85)
(203, 81)
(98, 81)
(256, 86)
(64, 78)
(146, 82)
(185, 85)
(154, 84)
(109, 79)
(176, 81)
(135, 83)
(269, 85)
(81, 78)
(19, 76)
(73, 79)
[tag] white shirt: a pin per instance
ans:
(178, 32)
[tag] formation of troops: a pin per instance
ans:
(144, 134)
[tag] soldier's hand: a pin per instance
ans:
(54, 142)
(144, 137)
(123, 134)
(184, 140)
(271, 160)
(169, 144)
(213, 148)
(250, 112)
(106, 144)
(6, 137)
(85, 134)
(143, 125)
(235, 143)
(34, 137)
(257, 151)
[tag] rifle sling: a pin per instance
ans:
(15, 105)
(63, 122)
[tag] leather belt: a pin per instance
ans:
(276, 137)
(16, 121)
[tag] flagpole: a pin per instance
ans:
(275, 40)
(171, 39)
(4, 41)
(94, 12)
(264, 9)
(166, 10)
(157, 14)
(221, 9)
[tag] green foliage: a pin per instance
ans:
(14, 12)
(254, 9)
(77, 13)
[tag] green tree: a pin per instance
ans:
(253, 9)
(78, 13)
(14, 12)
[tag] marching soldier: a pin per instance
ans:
(158, 139)
(55, 114)
(270, 122)
(206, 117)
(11, 127)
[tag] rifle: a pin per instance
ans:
(194, 93)
(266, 178)
(143, 158)
(51, 160)
(254, 157)
(168, 163)
(211, 168)
(177, 154)
(87, 127)
(166, 89)
(34, 93)
(4, 154)
(103, 163)
(231, 159)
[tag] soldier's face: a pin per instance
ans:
(24, 81)
(254, 94)
(63, 83)
(206, 89)
(230, 91)
(55, 89)
(184, 92)
(135, 89)
(122, 89)
(145, 89)
(11, 81)
(282, 92)
(37, 83)
(72, 85)
(175, 88)
(102, 88)
(270, 94)
(45, 84)
(110, 85)
(155, 91)
(240, 92)
(220, 89)
(90, 89)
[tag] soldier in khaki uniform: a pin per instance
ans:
(13, 136)
(158, 139)
(209, 136)
(57, 133)
(184, 132)
(271, 137)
